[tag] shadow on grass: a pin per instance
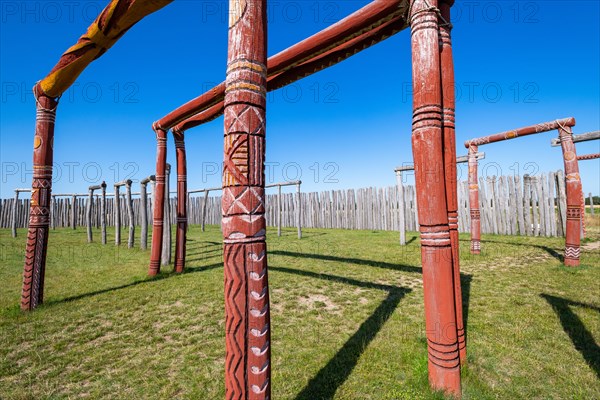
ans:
(160, 277)
(357, 261)
(465, 279)
(573, 326)
(547, 249)
(338, 369)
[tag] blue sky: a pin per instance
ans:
(517, 63)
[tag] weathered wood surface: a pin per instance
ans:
(374, 209)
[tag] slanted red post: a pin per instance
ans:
(247, 324)
(41, 189)
(574, 195)
(449, 143)
(159, 201)
(436, 250)
(474, 201)
(180, 236)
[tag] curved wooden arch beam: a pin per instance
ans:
(450, 170)
(182, 220)
(588, 156)
(159, 202)
(428, 154)
(358, 23)
(308, 68)
(118, 17)
(247, 321)
(573, 182)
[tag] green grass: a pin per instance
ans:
(347, 320)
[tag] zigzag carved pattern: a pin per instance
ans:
(572, 252)
(259, 335)
(32, 270)
(235, 321)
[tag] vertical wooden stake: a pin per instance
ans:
(74, 212)
(103, 212)
(144, 211)
(247, 323)
(204, 207)
(14, 214)
(53, 212)
(279, 211)
(117, 215)
(88, 214)
(436, 250)
(131, 236)
(401, 208)
(299, 209)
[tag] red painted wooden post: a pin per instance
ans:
(247, 336)
(180, 236)
(574, 195)
(474, 201)
(159, 201)
(449, 142)
(436, 251)
(39, 215)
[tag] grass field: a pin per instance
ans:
(347, 320)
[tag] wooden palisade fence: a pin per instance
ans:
(510, 205)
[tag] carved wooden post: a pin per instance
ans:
(247, 336)
(144, 210)
(159, 201)
(182, 221)
(436, 250)
(401, 208)
(299, 209)
(103, 212)
(450, 169)
(117, 214)
(474, 202)
(204, 207)
(13, 221)
(166, 247)
(573, 188)
(39, 221)
(131, 237)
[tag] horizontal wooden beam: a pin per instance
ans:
(291, 183)
(584, 137)
(368, 18)
(527, 130)
(588, 156)
(303, 70)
